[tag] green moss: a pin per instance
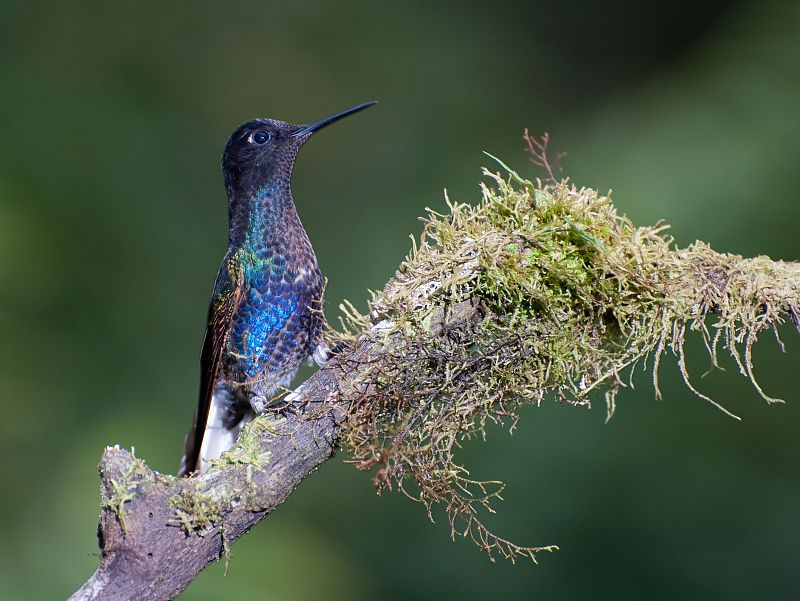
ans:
(123, 490)
(248, 449)
(538, 289)
(199, 506)
(197, 509)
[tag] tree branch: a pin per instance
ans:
(156, 532)
(539, 289)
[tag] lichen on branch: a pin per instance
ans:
(541, 289)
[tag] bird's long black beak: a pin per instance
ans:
(310, 129)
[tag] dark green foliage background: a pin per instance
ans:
(113, 221)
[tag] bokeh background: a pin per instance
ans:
(113, 222)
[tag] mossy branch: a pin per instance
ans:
(539, 289)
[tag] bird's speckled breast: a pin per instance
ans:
(270, 305)
(270, 335)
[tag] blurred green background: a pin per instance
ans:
(113, 222)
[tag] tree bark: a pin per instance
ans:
(146, 554)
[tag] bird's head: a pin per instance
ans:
(262, 150)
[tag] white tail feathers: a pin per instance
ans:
(217, 438)
(320, 354)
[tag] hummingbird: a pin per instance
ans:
(265, 317)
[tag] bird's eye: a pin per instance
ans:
(261, 137)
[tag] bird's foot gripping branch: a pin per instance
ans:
(537, 290)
